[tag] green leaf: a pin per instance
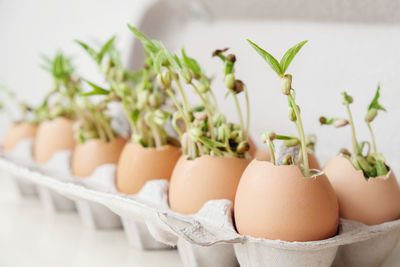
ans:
(88, 49)
(374, 103)
(191, 63)
(97, 90)
(290, 54)
(149, 45)
(284, 137)
(272, 62)
(105, 48)
(210, 143)
(381, 168)
(135, 115)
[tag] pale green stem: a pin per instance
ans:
(302, 136)
(372, 137)
(209, 113)
(272, 151)
(247, 111)
(239, 110)
(353, 130)
(178, 83)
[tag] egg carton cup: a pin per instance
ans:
(212, 225)
(57, 167)
(98, 202)
(93, 214)
(22, 153)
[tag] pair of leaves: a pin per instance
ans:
(98, 56)
(97, 90)
(279, 67)
(374, 103)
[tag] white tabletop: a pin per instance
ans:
(31, 237)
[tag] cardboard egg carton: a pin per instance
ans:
(208, 238)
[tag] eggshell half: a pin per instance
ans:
(52, 136)
(371, 202)
(18, 132)
(194, 182)
(278, 202)
(138, 164)
(94, 153)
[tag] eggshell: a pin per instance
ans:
(18, 132)
(278, 202)
(138, 164)
(313, 162)
(371, 202)
(94, 153)
(52, 136)
(194, 182)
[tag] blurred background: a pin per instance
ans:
(353, 46)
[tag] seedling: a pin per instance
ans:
(372, 163)
(280, 69)
(142, 99)
(203, 129)
(91, 120)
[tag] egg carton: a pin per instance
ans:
(22, 153)
(93, 214)
(208, 238)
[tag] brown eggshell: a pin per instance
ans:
(52, 136)
(94, 153)
(278, 202)
(194, 182)
(18, 132)
(138, 164)
(371, 201)
(313, 162)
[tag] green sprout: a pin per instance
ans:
(280, 69)
(139, 93)
(203, 130)
(91, 120)
(372, 164)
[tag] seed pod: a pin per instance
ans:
(340, 123)
(219, 51)
(288, 160)
(201, 115)
(363, 163)
(286, 84)
(155, 100)
(196, 132)
(371, 115)
(114, 97)
(291, 142)
(344, 152)
(322, 120)
(268, 136)
(203, 88)
(166, 78)
(186, 75)
(230, 81)
(231, 58)
(239, 86)
(347, 99)
(242, 147)
(291, 114)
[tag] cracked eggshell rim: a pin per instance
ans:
(373, 201)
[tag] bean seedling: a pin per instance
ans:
(372, 163)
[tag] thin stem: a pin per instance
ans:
(209, 113)
(178, 83)
(372, 137)
(239, 110)
(302, 136)
(247, 111)
(272, 151)
(353, 130)
(214, 99)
